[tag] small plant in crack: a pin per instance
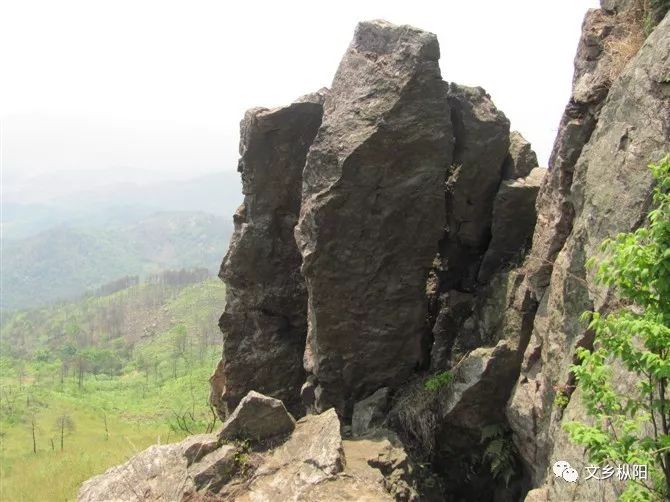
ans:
(439, 380)
(500, 452)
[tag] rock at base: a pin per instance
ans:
(312, 456)
(370, 411)
(257, 418)
(161, 472)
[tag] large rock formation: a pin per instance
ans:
(590, 86)
(264, 324)
(417, 203)
(609, 194)
(390, 190)
(372, 213)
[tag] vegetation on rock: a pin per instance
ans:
(632, 425)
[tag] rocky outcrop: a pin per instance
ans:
(312, 464)
(264, 324)
(601, 30)
(162, 472)
(402, 178)
(372, 213)
(417, 203)
(609, 194)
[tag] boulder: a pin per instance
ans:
(373, 212)
(265, 319)
(521, 158)
(370, 411)
(513, 222)
(257, 418)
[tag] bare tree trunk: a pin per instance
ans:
(32, 422)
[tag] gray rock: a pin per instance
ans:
(482, 140)
(264, 323)
(370, 411)
(371, 219)
(161, 472)
(591, 83)
(196, 447)
(257, 417)
(513, 221)
(482, 383)
(610, 194)
(311, 456)
(215, 469)
(379, 458)
(521, 158)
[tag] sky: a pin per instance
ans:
(159, 87)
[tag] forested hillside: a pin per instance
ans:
(64, 262)
(83, 385)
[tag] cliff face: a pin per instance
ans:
(609, 194)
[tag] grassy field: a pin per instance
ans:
(160, 395)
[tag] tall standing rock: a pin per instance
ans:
(373, 212)
(264, 323)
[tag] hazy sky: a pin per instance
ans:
(162, 85)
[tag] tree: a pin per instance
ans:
(179, 340)
(64, 425)
(632, 427)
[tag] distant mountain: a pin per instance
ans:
(66, 261)
(34, 205)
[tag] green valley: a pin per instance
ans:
(84, 385)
